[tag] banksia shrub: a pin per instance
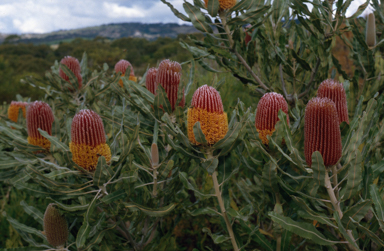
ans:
(150, 80)
(248, 34)
(55, 226)
(370, 35)
(207, 108)
(224, 4)
(88, 140)
(267, 114)
(122, 67)
(74, 65)
(334, 90)
(169, 75)
(13, 110)
(322, 131)
(39, 115)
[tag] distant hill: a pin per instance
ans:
(108, 31)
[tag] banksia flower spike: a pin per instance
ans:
(55, 227)
(88, 140)
(207, 108)
(370, 35)
(74, 65)
(150, 80)
(267, 114)
(334, 90)
(169, 75)
(322, 131)
(39, 115)
(122, 67)
(13, 110)
(224, 4)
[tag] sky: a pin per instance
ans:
(41, 16)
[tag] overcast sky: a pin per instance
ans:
(40, 16)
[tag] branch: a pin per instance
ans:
(310, 83)
(288, 97)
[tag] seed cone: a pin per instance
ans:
(224, 4)
(122, 67)
(88, 140)
(169, 75)
(150, 80)
(207, 108)
(13, 110)
(322, 131)
(55, 226)
(334, 90)
(39, 115)
(74, 65)
(370, 35)
(267, 114)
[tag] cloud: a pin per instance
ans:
(115, 10)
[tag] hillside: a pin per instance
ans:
(109, 31)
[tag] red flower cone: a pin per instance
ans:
(207, 108)
(88, 140)
(150, 80)
(122, 67)
(169, 75)
(322, 131)
(334, 90)
(267, 114)
(74, 65)
(39, 115)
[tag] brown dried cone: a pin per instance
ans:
(322, 131)
(334, 90)
(224, 4)
(370, 35)
(55, 226)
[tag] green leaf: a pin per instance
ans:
(82, 234)
(197, 18)
(305, 230)
(369, 233)
(56, 144)
(103, 173)
(117, 195)
(377, 201)
(176, 12)
(163, 172)
(202, 211)
(318, 168)
(32, 211)
(191, 78)
(269, 177)
(199, 135)
(158, 212)
(70, 208)
(250, 16)
(359, 10)
(19, 226)
(213, 7)
(217, 238)
(161, 103)
(356, 212)
(188, 185)
(343, 231)
(355, 176)
(210, 165)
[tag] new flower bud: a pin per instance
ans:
(224, 4)
(267, 114)
(207, 108)
(150, 80)
(122, 67)
(74, 65)
(334, 90)
(13, 110)
(39, 115)
(55, 226)
(322, 131)
(169, 75)
(370, 35)
(88, 140)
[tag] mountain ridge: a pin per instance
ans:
(150, 31)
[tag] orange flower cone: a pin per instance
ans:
(334, 90)
(55, 226)
(88, 140)
(39, 115)
(322, 131)
(207, 108)
(122, 67)
(74, 65)
(267, 114)
(150, 80)
(169, 75)
(13, 110)
(224, 4)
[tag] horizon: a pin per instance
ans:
(46, 16)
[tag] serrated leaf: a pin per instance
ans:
(343, 231)
(197, 18)
(355, 176)
(369, 233)
(176, 12)
(213, 7)
(356, 212)
(217, 238)
(161, 102)
(56, 144)
(117, 195)
(318, 168)
(158, 212)
(32, 211)
(188, 185)
(210, 165)
(199, 135)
